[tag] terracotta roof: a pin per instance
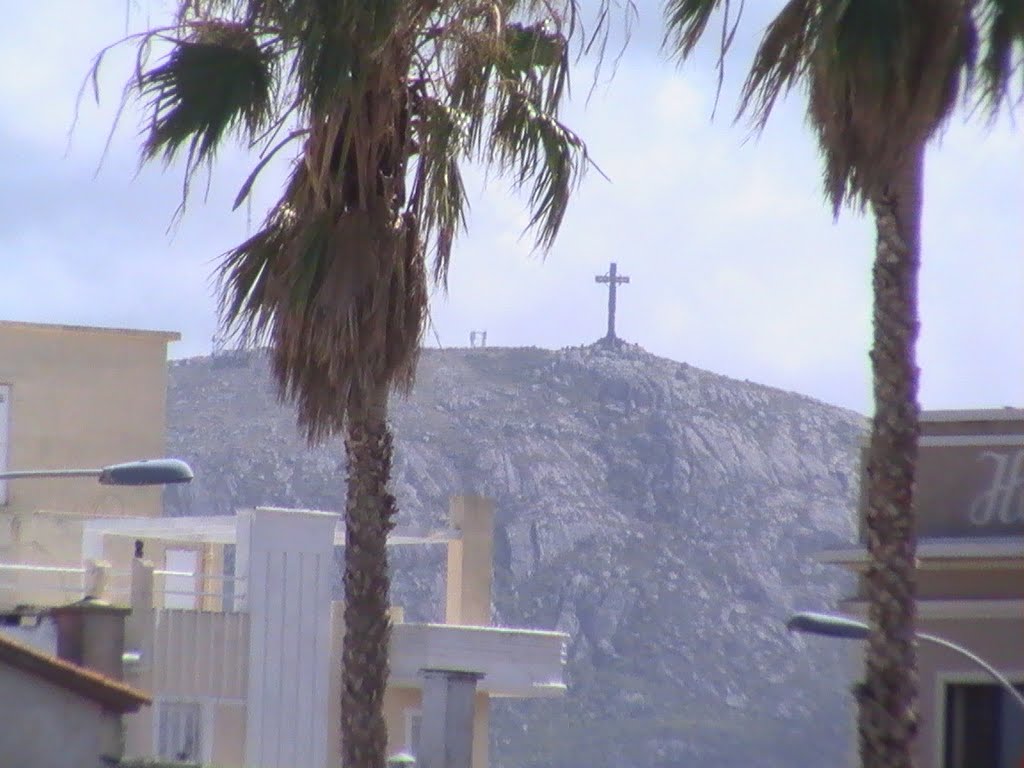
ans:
(112, 695)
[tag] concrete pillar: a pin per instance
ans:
(446, 730)
(138, 626)
(482, 731)
(334, 681)
(138, 638)
(212, 560)
(91, 634)
(96, 573)
(287, 559)
(470, 562)
(142, 585)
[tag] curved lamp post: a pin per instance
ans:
(829, 625)
(148, 472)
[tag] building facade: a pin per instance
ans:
(74, 397)
(242, 662)
(244, 667)
(969, 503)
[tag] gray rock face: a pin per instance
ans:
(664, 516)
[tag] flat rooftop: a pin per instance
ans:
(59, 328)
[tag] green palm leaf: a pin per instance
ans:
(1002, 22)
(218, 80)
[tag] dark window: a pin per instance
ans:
(180, 731)
(984, 727)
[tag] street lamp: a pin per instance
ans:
(829, 625)
(147, 472)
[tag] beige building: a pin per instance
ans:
(243, 666)
(970, 507)
(70, 398)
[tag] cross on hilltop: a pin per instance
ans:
(613, 279)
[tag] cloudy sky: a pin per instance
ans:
(736, 265)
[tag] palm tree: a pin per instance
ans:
(881, 78)
(389, 99)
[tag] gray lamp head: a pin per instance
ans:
(150, 472)
(827, 625)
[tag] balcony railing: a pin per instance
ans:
(22, 583)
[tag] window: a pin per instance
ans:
(413, 726)
(984, 726)
(5, 436)
(179, 731)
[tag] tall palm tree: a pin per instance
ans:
(881, 78)
(389, 100)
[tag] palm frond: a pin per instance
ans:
(438, 191)
(884, 75)
(539, 59)
(533, 45)
(382, 93)
(219, 80)
(781, 59)
(339, 293)
(352, 322)
(541, 153)
(686, 22)
(874, 41)
(1002, 24)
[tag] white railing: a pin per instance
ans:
(99, 580)
(221, 593)
(30, 584)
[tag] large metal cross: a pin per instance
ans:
(613, 279)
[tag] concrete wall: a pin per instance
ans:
(999, 641)
(287, 557)
(991, 583)
(79, 398)
(40, 634)
(222, 731)
(228, 748)
(513, 662)
(191, 655)
(199, 653)
(52, 727)
(398, 704)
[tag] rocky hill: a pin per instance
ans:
(664, 516)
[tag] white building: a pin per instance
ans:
(244, 669)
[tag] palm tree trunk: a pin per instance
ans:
(369, 515)
(888, 696)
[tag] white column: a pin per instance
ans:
(96, 573)
(287, 559)
(446, 730)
